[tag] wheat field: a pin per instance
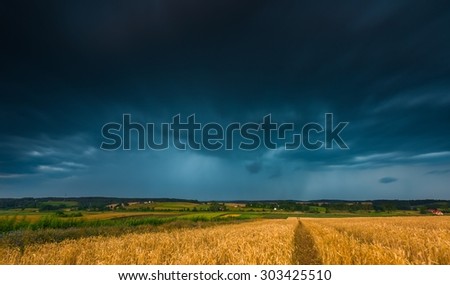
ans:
(387, 240)
(258, 242)
(393, 240)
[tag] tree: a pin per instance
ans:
(423, 210)
(215, 207)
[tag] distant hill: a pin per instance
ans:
(103, 202)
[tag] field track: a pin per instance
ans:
(305, 251)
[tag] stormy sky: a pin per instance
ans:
(69, 67)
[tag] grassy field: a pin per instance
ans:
(250, 240)
(168, 206)
(11, 221)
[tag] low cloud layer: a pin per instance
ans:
(387, 180)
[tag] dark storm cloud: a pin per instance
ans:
(254, 167)
(275, 174)
(44, 157)
(387, 180)
(438, 172)
(68, 68)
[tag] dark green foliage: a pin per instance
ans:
(64, 222)
(216, 207)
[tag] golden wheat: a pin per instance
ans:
(258, 242)
(399, 240)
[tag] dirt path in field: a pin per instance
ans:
(305, 251)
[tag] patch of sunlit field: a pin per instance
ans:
(116, 215)
(26, 216)
(89, 216)
(255, 242)
(387, 240)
